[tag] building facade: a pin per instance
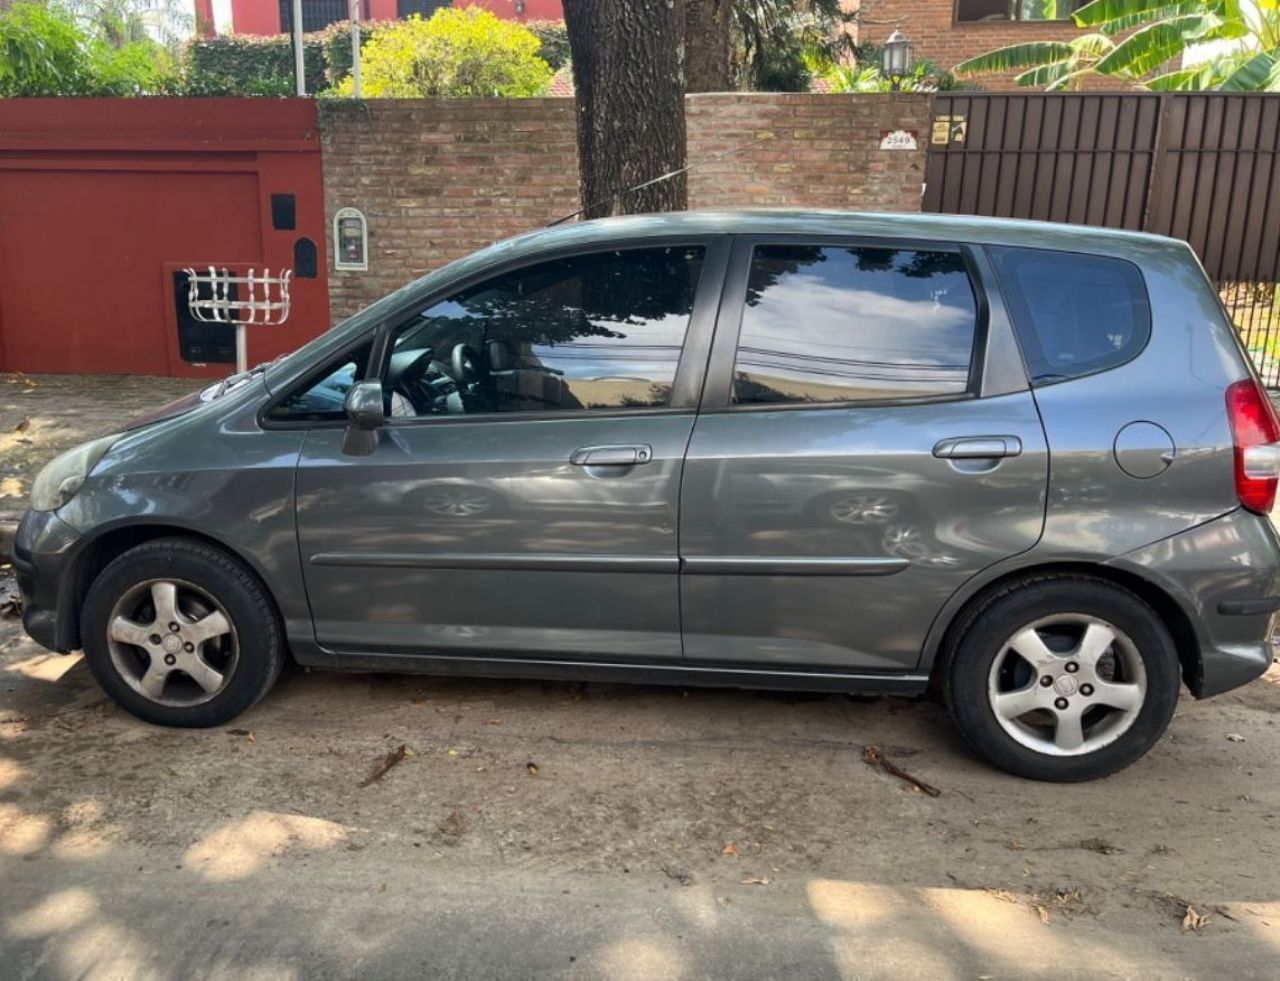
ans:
(276, 16)
(948, 32)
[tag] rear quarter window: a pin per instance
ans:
(1075, 314)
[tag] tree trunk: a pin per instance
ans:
(630, 102)
(708, 44)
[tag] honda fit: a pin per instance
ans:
(1028, 464)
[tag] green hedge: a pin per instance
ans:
(244, 64)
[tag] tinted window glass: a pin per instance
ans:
(1075, 314)
(600, 331)
(323, 396)
(832, 324)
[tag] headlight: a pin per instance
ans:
(64, 475)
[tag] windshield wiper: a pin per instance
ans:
(240, 376)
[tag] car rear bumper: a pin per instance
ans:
(1225, 575)
(43, 559)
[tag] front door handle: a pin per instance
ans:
(611, 456)
(977, 447)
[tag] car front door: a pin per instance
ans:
(867, 443)
(521, 499)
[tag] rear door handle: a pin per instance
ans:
(611, 456)
(977, 447)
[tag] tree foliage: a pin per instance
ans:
(117, 23)
(555, 41)
(45, 52)
(776, 43)
(456, 54)
(1138, 41)
(863, 75)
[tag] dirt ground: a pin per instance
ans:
(42, 415)
(550, 830)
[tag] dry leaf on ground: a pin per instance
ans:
(1193, 919)
(395, 757)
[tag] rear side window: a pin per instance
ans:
(1075, 314)
(841, 324)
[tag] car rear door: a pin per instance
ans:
(867, 442)
(522, 498)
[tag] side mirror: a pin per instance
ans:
(366, 413)
(365, 407)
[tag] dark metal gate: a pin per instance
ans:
(1203, 167)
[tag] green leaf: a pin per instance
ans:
(1250, 76)
(1147, 48)
(1117, 15)
(1183, 80)
(1066, 80)
(1030, 55)
(1096, 45)
(1045, 74)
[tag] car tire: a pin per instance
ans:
(1062, 678)
(201, 674)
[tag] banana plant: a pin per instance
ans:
(1141, 40)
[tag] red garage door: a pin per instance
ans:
(97, 221)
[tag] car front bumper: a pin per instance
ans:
(44, 554)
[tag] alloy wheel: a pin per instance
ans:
(172, 642)
(1067, 685)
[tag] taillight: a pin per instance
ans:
(1255, 432)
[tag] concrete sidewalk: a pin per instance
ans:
(42, 415)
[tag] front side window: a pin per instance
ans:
(598, 331)
(970, 11)
(322, 397)
(839, 324)
(1075, 314)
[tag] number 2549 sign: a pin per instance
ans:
(899, 139)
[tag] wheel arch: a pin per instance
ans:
(943, 635)
(113, 541)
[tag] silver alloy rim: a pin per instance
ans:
(172, 642)
(1067, 685)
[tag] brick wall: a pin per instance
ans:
(935, 35)
(439, 179)
(818, 151)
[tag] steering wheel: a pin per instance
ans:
(414, 385)
(466, 364)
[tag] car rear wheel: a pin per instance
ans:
(1063, 678)
(181, 634)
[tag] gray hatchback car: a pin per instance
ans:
(1028, 463)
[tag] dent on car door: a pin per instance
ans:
(849, 470)
(522, 496)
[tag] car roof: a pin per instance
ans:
(766, 221)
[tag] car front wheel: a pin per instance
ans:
(181, 634)
(1063, 678)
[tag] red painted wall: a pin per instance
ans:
(263, 16)
(533, 9)
(255, 17)
(101, 200)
